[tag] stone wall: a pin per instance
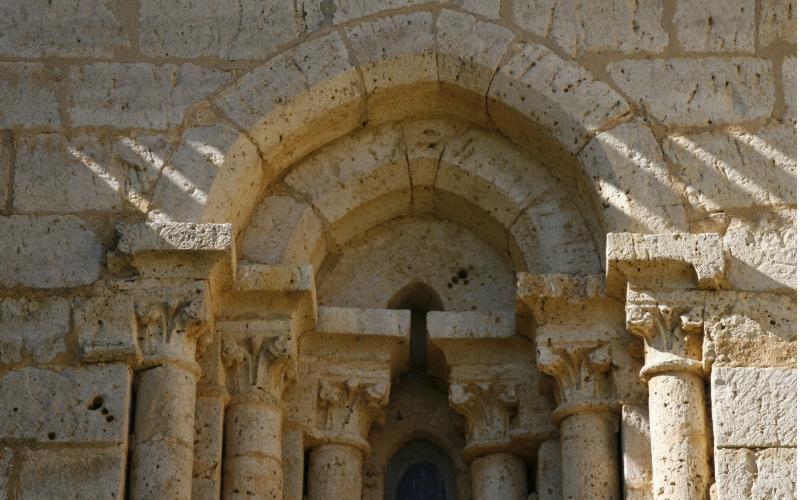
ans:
(656, 116)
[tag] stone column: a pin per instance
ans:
(163, 426)
(586, 417)
(671, 325)
(258, 356)
(489, 407)
(347, 403)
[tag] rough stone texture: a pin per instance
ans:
(705, 91)
(628, 172)
(499, 475)
(736, 169)
(757, 474)
(6, 168)
(5, 464)
(778, 22)
(637, 466)
(565, 99)
(28, 95)
(761, 251)
(106, 329)
(215, 28)
(33, 328)
(754, 407)
(74, 405)
(789, 89)
(63, 28)
(283, 230)
(138, 95)
(73, 473)
(716, 26)
(51, 251)
(595, 25)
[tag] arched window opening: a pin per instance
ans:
(420, 471)
(419, 298)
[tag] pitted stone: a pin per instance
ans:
(107, 329)
(716, 26)
(789, 87)
(28, 95)
(778, 22)
(84, 472)
(757, 474)
(33, 328)
(700, 92)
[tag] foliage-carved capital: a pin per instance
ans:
(490, 408)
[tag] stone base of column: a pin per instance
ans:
(678, 436)
(334, 472)
(499, 475)
(589, 457)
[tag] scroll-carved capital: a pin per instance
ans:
(489, 407)
(582, 375)
(168, 328)
(258, 364)
(671, 326)
(347, 406)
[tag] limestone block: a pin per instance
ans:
(499, 475)
(705, 91)
(397, 50)
(485, 8)
(763, 474)
(736, 169)
(283, 230)
(107, 329)
(471, 324)
(635, 189)
(790, 89)
(754, 407)
(778, 22)
(350, 321)
(596, 25)
(6, 457)
(28, 95)
(637, 469)
(75, 405)
(750, 329)
(468, 50)
(716, 26)
(35, 328)
(558, 94)
(56, 174)
(548, 471)
(215, 28)
(174, 237)
(208, 427)
(138, 95)
(345, 10)
(63, 28)
(49, 251)
(295, 94)
(73, 473)
(6, 167)
(760, 251)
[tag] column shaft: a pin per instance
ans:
(252, 467)
(589, 457)
(499, 475)
(334, 472)
(162, 458)
(678, 438)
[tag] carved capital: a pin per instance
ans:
(489, 407)
(671, 325)
(347, 404)
(258, 363)
(582, 376)
(167, 329)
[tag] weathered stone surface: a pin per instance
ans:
(705, 91)
(627, 170)
(778, 22)
(637, 469)
(754, 407)
(562, 96)
(345, 10)
(49, 251)
(33, 328)
(64, 28)
(761, 251)
(75, 405)
(790, 89)
(208, 428)
(73, 473)
(716, 26)
(6, 167)
(5, 463)
(138, 95)
(28, 95)
(284, 230)
(249, 30)
(750, 329)
(469, 50)
(761, 474)
(174, 237)
(595, 25)
(736, 169)
(107, 329)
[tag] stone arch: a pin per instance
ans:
(451, 64)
